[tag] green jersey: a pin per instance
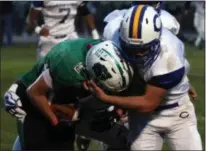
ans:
(65, 63)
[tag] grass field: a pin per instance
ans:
(18, 59)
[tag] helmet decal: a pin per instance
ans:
(118, 66)
(157, 26)
(101, 72)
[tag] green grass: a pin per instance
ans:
(18, 59)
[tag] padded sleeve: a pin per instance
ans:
(168, 80)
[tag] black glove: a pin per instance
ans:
(104, 119)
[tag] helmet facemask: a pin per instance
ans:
(143, 55)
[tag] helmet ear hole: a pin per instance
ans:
(102, 59)
(147, 21)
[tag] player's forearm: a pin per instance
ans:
(32, 19)
(139, 103)
(91, 24)
(41, 102)
(90, 21)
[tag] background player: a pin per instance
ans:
(198, 20)
(59, 22)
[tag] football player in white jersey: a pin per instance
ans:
(113, 20)
(59, 22)
(165, 110)
(111, 32)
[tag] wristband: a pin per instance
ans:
(95, 34)
(13, 87)
(37, 30)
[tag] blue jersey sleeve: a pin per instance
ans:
(169, 80)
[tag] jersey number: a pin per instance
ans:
(66, 16)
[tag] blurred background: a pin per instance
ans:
(18, 50)
(16, 12)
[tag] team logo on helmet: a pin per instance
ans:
(101, 72)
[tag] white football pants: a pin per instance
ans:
(178, 125)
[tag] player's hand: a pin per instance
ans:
(44, 32)
(91, 86)
(104, 119)
(65, 112)
(123, 115)
(13, 105)
(192, 93)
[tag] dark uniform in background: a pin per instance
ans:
(6, 22)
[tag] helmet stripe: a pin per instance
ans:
(135, 28)
(136, 18)
(131, 21)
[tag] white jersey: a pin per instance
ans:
(172, 58)
(177, 46)
(58, 15)
(169, 65)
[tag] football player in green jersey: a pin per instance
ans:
(62, 71)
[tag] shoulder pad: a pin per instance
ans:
(169, 22)
(114, 14)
